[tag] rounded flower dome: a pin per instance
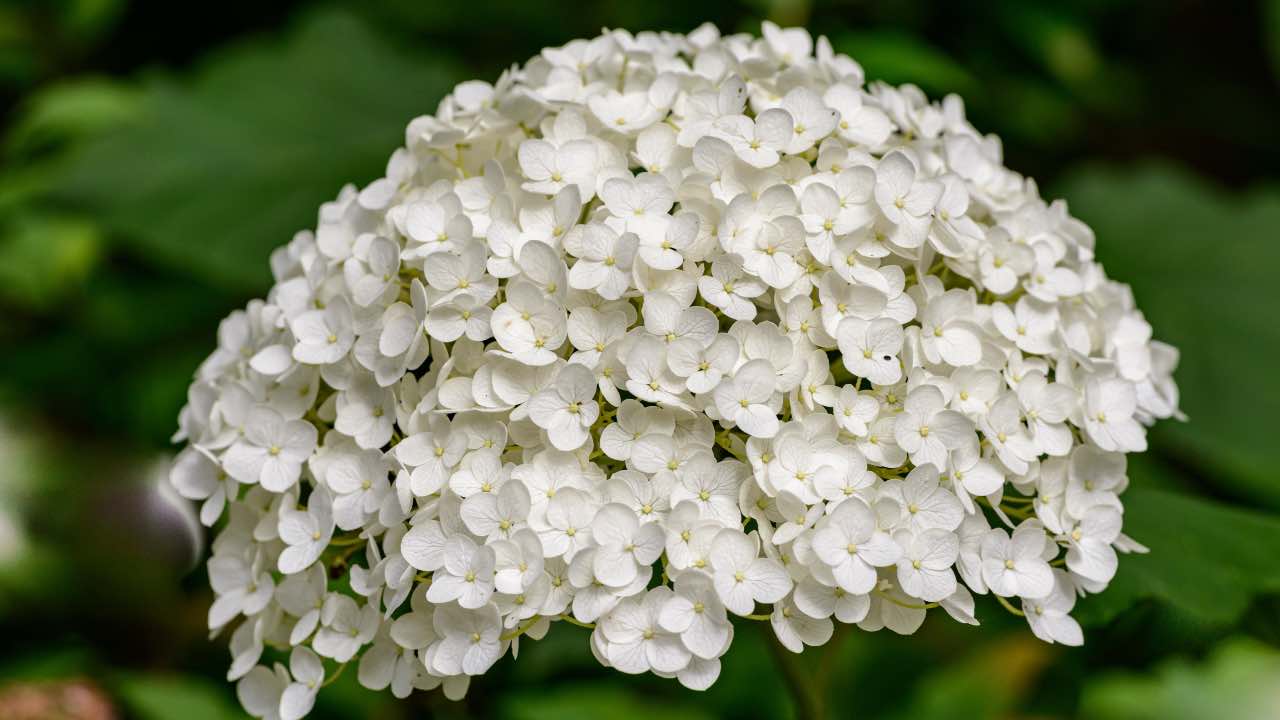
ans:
(655, 333)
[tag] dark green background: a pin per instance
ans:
(152, 154)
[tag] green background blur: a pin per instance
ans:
(152, 153)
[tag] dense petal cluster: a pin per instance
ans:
(654, 332)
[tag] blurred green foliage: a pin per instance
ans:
(152, 154)
(1240, 675)
(229, 146)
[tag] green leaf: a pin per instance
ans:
(593, 702)
(218, 170)
(1055, 39)
(70, 110)
(990, 682)
(1031, 110)
(1202, 265)
(59, 661)
(1271, 34)
(43, 256)
(1206, 558)
(158, 697)
(152, 329)
(1238, 682)
(901, 58)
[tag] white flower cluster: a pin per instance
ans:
(656, 331)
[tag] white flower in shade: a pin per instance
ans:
(323, 336)
(731, 289)
(860, 122)
(549, 169)
(852, 546)
(648, 377)
(924, 570)
(1109, 407)
(389, 664)
(632, 111)
(372, 269)
(260, 689)
(434, 227)
(1094, 478)
(654, 329)
(592, 332)
(623, 544)
(1015, 566)
(870, 349)
(669, 320)
(469, 641)
(359, 483)
(812, 119)
(604, 260)
(345, 627)
(1048, 616)
(745, 398)
(891, 608)
(634, 421)
(196, 476)
(742, 578)
(972, 475)
(641, 204)
(453, 275)
(795, 629)
(947, 332)
(905, 199)
(1090, 552)
(467, 575)
(366, 412)
(711, 486)
(636, 641)
(772, 257)
(518, 561)
(566, 410)
(566, 524)
(757, 142)
(1001, 262)
(928, 431)
(695, 613)
(703, 367)
(791, 46)
(300, 695)
(423, 546)
(1049, 281)
(241, 587)
(1003, 429)
(1029, 324)
(306, 533)
(853, 410)
(529, 325)
(1047, 406)
(926, 505)
(272, 450)
(497, 515)
(302, 595)
(431, 455)
(820, 601)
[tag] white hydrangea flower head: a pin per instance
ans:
(656, 331)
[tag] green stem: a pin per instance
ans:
(1009, 607)
(807, 698)
(334, 677)
(522, 629)
(575, 621)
